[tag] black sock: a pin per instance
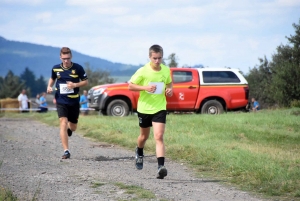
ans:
(161, 161)
(69, 131)
(140, 151)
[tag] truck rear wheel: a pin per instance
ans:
(212, 107)
(117, 108)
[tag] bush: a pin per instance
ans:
(295, 103)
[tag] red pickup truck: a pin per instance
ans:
(200, 90)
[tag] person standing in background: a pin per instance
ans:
(43, 103)
(84, 103)
(68, 77)
(37, 99)
(23, 101)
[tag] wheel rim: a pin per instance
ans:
(118, 110)
(212, 110)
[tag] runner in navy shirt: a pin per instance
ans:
(69, 77)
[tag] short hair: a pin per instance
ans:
(65, 50)
(156, 49)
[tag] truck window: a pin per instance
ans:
(220, 77)
(182, 76)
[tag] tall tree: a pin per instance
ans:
(35, 86)
(28, 77)
(11, 86)
(286, 83)
(172, 58)
(286, 70)
(278, 81)
(41, 85)
(259, 80)
(1, 81)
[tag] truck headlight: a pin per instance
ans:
(99, 91)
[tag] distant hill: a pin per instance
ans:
(16, 56)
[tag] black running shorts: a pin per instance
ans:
(145, 120)
(69, 111)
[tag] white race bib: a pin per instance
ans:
(159, 87)
(63, 89)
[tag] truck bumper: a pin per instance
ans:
(97, 102)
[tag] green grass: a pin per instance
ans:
(139, 192)
(97, 184)
(257, 152)
(6, 195)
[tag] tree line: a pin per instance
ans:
(276, 82)
(11, 85)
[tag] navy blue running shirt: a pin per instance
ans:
(62, 75)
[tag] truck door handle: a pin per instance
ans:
(192, 87)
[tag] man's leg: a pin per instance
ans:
(72, 126)
(64, 137)
(158, 130)
(73, 115)
(139, 152)
(144, 135)
(62, 112)
(63, 132)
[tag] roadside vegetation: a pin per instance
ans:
(256, 152)
(275, 82)
(138, 193)
(6, 195)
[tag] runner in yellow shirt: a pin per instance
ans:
(154, 83)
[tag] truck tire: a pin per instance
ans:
(118, 108)
(212, 107)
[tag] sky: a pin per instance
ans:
(213, 33)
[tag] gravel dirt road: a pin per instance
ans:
(32, 169)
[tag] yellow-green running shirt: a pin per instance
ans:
(149, 103)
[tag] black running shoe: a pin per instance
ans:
(138, 160)
(162, 172)
(66, 155)
(69, 132)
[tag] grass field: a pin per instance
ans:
(257, 152)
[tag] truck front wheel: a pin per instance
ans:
(117, 108)
(212, 107)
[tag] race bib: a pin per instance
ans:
(159, 87)
(63, 89)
